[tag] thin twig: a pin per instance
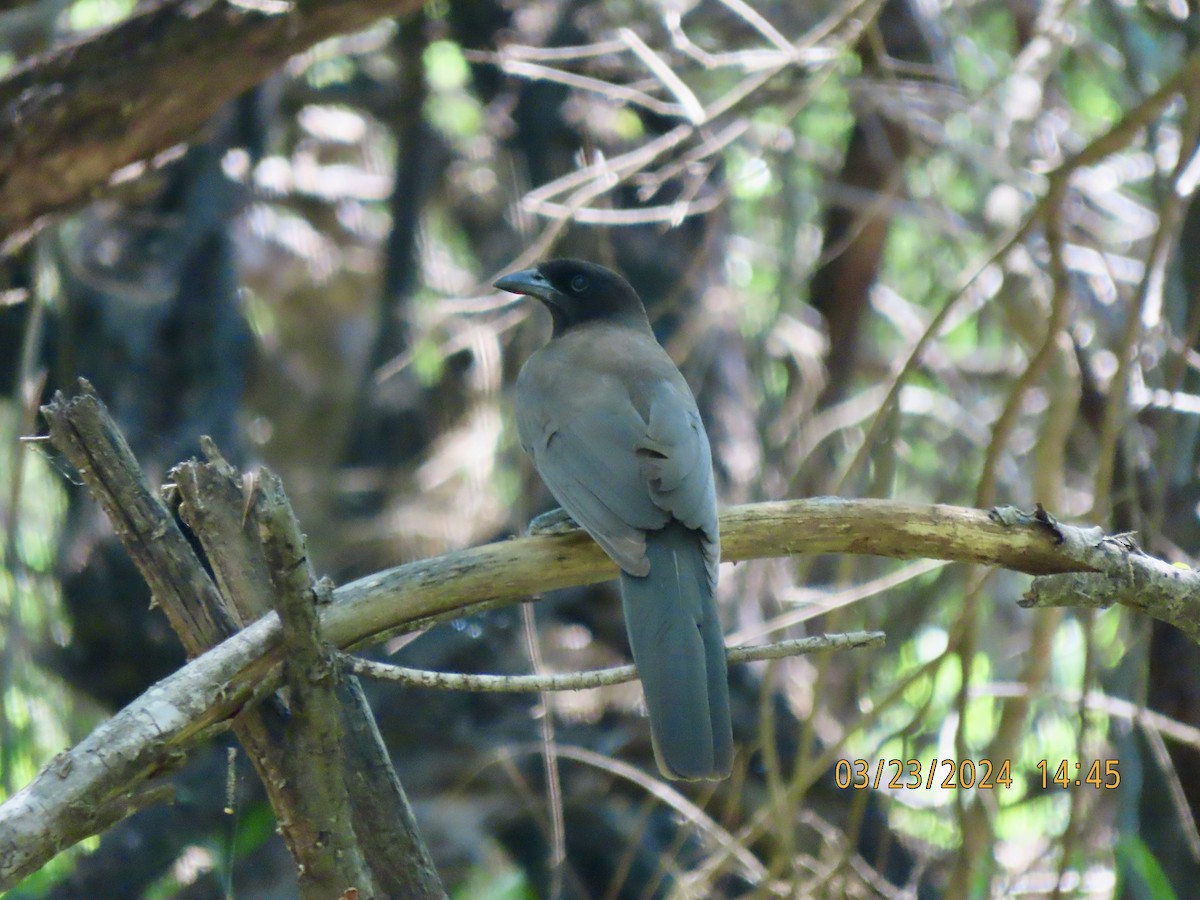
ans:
(1115, 139)
(663, 791)
(1116, 406)
(544, 54)
(808, 603)
(620, 92)
(1059, 306)
(671, 213)
(554, 793)
(756, 21)
(692, 108)
(580, 681)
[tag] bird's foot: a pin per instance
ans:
(556, 521)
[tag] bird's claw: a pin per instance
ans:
(556, 521)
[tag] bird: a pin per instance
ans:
(614, 431)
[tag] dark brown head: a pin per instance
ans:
(577, 292)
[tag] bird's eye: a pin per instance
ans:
(578, 283)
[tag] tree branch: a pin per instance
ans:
(147, 735)
(1123, 574)
(72, 117)
(256, 551)
(322, 813)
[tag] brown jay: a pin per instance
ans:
(614, 432)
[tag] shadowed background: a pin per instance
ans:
(798, 200)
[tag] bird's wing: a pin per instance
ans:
(587, 455)
(676, 465)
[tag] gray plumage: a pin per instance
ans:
(614, 431)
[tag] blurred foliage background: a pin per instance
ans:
(943, 252)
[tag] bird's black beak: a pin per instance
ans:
(530, 282)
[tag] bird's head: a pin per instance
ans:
(577, 292)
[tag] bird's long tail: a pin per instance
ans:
(675, 634)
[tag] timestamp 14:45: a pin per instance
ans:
(1101, 774)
